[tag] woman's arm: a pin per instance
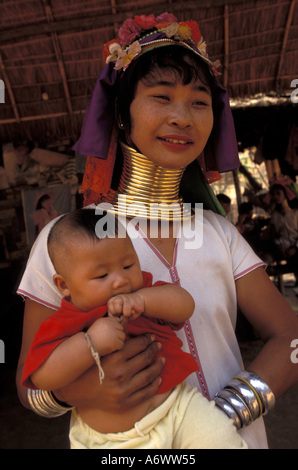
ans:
(131, 375)
(270, 314)
(167, 302)
(34, 315)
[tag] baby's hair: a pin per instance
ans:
(79, 225)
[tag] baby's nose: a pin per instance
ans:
(120, 279)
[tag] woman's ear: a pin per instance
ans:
(124, 133)
(60, 282)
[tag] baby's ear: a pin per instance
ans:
(60, 282)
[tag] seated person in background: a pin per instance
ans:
(20, 167)
(282, 231)
(99, 273)
(250, 227)
(225, 201)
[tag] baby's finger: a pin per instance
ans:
(127, 308)
(115, 305)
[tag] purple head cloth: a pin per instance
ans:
(99, 119)
(225, 140)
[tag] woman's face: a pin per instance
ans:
(171, 122)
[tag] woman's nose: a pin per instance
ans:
(180, 116)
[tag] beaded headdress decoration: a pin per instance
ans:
(143, 33)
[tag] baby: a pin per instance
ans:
(107, 299)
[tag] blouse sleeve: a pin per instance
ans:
(244, 259)
(37, 281)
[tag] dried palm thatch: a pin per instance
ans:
(50, 54)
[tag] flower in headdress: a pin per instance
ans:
(115, 52)
(195, 30)
(202, 47)
(125, 57)
(214, 66)
(146, 22)
(129, 31)
(171, 30)
(184, 32)
(166, 18)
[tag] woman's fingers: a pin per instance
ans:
(144, 384)
(142, 344)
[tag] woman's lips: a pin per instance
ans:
(176, 141)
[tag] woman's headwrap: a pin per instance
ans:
(99, 134)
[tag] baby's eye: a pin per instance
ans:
(128, 266)
(102, 276)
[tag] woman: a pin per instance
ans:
(160, 85)
(44, 212)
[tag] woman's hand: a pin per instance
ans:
(132, 375)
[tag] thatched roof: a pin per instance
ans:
(50, 54)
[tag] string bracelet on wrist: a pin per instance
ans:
(245, 398)
(44, 404)
(96, 357)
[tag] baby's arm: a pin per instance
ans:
(167, 302)
(71, 358)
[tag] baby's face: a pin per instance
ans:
(100, 270)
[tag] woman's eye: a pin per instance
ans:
(200, 103)
(162, 97)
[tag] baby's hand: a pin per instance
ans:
(130, 306)
(107, 335)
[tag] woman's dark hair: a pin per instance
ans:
(245, 208)
(43, 198)
(185, 64)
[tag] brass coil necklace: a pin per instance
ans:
(147, 190)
